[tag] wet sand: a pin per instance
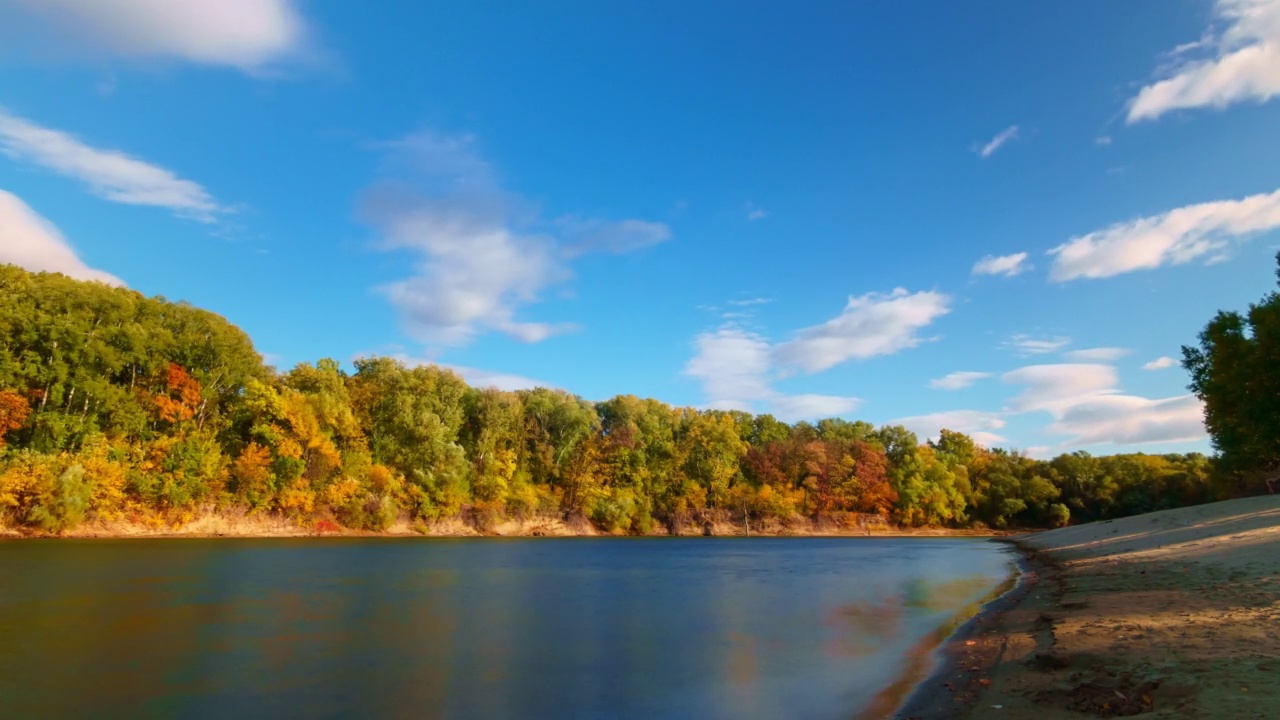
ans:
(1173, 614)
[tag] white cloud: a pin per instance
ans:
(1007, 265)
(735, 368)
(252, 35)
(475, 377)
(1174, 237)
(1099, 354)
(1053, 387)
(998, 141)
(755, 212)
(1129, 420)
(1026, 345)
(473, 272)
(1243, 63)
(110, 174)
(749, 302)
(31, 242)
(793, 408)
(870, 325)
(481, 254)
(958, 380)
(1160, 363)
(977, 424)
(1087, 406)
(1103, 140)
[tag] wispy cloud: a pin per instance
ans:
(1087, 407)
(1098, 354)
(1240, 62)
(31, 242)
(1160, 363)
(481, 254)
(475, 377)
(978, 424)
(755, 212)
(870, 325)
(1007, 265)
(958, 380)
(1175, 237)
(109, 174)
(251, 35)
(624, 236)
(738, 367)
(999, 141)
(1028, 345)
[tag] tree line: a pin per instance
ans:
(119, 407)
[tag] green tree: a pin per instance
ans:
(1236, 372)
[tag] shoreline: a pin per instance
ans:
(238, 526)
(945, 676)
(1170, 615)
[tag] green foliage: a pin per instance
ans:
(1236, 372)
(114, 406)
(64, 507)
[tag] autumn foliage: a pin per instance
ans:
(14, 410)
(121, 408)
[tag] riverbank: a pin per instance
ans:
(261, 525)
(1168, 615)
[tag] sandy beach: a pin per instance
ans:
(1174, 614)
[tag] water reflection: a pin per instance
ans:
(626, 628)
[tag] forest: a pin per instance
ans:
(116, 407)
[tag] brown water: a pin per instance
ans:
(416, 628)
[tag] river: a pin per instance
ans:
(474, 628)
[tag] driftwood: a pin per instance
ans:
(1273, 485)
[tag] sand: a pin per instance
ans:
(1173, 614)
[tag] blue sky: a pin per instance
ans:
(997, 217)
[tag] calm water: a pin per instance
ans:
(545, 628)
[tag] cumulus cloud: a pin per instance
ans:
(870, 325)
(480, 254)
(110, 174)
(31, 242)
(1099, 354)
(958, 380)
(977, 424)
(1175, 237)
(735, 368)
(251, 35)
(1007, 265)
(1027, 345)
(1160, 363)
(1087, 406)
(998, 141)
(1240, 62)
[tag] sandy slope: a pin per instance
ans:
(1173, 614)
